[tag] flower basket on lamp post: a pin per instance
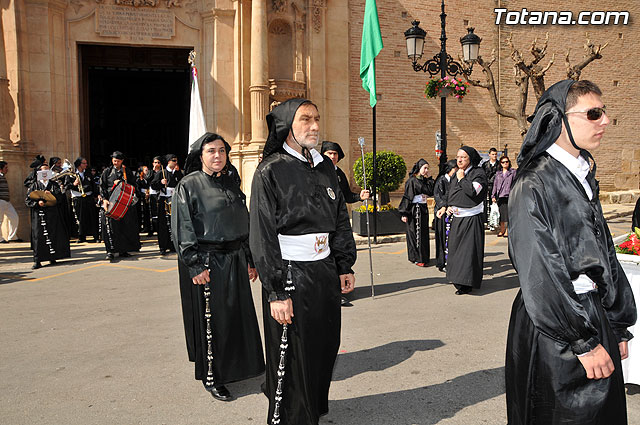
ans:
(446, 86)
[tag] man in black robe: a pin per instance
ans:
(121, 235)
(81, 187)
(211, 234)
(440, 217)
(415, 212)
(334, 152)
(467, 192)
(164, 182)
(568, 327)
(303, 247)
(49, 237)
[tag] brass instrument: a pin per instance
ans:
(69, 170)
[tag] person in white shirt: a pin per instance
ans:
(568, 328)
(6, 209)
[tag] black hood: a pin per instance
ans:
(474, 156)
(193, 162)
(279, 122)
(546, 122)
(417, 166)
(332, 146)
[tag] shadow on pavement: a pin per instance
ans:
(12, 277)
(364, 291)
(425, 406)
(379, 358)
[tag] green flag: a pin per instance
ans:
(371, 46)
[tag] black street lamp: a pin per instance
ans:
(441, 63)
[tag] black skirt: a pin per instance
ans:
(466, 251)
(504, 211)
(314, 339)
(121, 235)
(237, 349)
(547, 385)
(418, 234)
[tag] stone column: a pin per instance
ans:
(259, 68)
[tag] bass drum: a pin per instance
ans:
(120, 200)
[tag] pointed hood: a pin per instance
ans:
(279, 122)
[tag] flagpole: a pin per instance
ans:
(374, 185)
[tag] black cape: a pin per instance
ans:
(555, 234)
(291, 198)
(119, 235)
(49, 237)
(211, 225)
(417, 226)
(349, 196)
(440, 193)
(466, 236)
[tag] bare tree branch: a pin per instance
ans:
(592, 52)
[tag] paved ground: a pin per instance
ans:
(88, 342)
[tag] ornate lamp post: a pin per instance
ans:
(441, 63)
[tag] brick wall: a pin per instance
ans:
(407, 122)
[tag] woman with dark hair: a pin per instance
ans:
(211, 230)
(440, 192)
(415, 212)
(500, 193)
(467, 192)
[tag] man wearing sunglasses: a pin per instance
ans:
(568, 328)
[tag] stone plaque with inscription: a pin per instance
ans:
(133, 23)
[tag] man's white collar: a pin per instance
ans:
(315, 155)
(578, 166)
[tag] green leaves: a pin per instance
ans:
(391, 170)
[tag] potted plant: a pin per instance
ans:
(447, 86)
(628, 253)
(391, 171)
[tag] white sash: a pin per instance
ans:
(309, 247)
(468, 212)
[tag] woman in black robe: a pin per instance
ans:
(440, 193)
(211, 230)
(170, 176)
(415, 212)
(49, 237)
(467, 191)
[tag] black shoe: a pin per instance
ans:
(463, 291)
(36, 265)
(53, 262)
(82, 240)
(345, 302)
(125, 255)
(220, 392)
(442, 269)
(163, 252)
(111, 258)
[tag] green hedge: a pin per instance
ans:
(391, 170)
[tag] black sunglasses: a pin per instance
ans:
(505, 161)
(593, 114)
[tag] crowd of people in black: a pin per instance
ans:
(112, 205)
